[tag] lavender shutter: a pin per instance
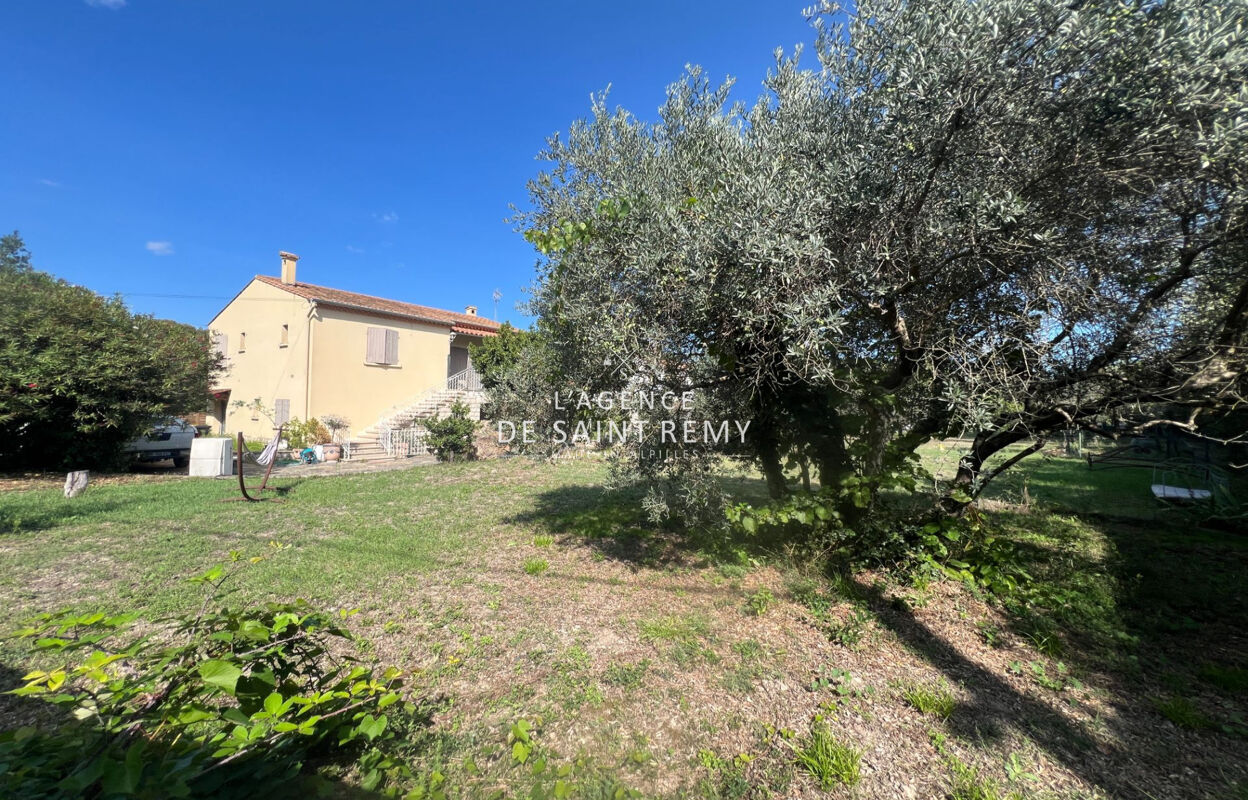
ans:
(219, 344)
(281, 411)
(375, 351)
(392, 347)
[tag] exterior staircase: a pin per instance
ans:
(397, 434)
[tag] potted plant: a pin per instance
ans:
(336, 424)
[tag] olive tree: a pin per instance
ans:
(987, 219)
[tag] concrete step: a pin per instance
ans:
(369, 454)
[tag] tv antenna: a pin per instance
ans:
(498, 295)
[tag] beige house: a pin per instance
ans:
(309, 351)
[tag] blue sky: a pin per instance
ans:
(173, 147)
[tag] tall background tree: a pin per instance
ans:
(985, 219)
(496, 355)
(80, 374)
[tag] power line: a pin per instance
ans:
(174, 296)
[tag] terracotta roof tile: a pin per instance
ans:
(461, 323)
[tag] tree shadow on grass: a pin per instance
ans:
(1154, 608)
(995, 706)
(1153, 598)
(613, 523)
(46, 516)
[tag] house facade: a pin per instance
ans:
(307, 351)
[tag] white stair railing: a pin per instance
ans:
(466, 380)
(402, 439)
(404, 442)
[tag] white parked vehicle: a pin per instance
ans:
(169, 439)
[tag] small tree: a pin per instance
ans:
(451, 436)
(336, 423)
(494, 356)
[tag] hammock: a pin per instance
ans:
(270, 451)
(266, 458)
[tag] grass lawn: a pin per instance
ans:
(510, 590)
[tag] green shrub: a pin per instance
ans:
(1230, 678)
(224, 703)
(850, 632)
(968, 784)
(305, 434)
(451, 437)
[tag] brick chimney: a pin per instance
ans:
(471, 311)
(288, 267)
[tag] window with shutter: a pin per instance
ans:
(281, 412)
(285, 340)
(382, 346)
(219, 345)
(242, 343)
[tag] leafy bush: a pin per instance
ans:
(832, 521)
(305, 434)
(1182, 712)
(495, 355)
(80, 375)
(452, 436)
(850, 632)
(1230, 678)
(627, 676)
(227, 703)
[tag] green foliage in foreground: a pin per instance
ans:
(235, 702)
(830, 760)
(937, 701)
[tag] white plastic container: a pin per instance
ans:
(212, 457)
